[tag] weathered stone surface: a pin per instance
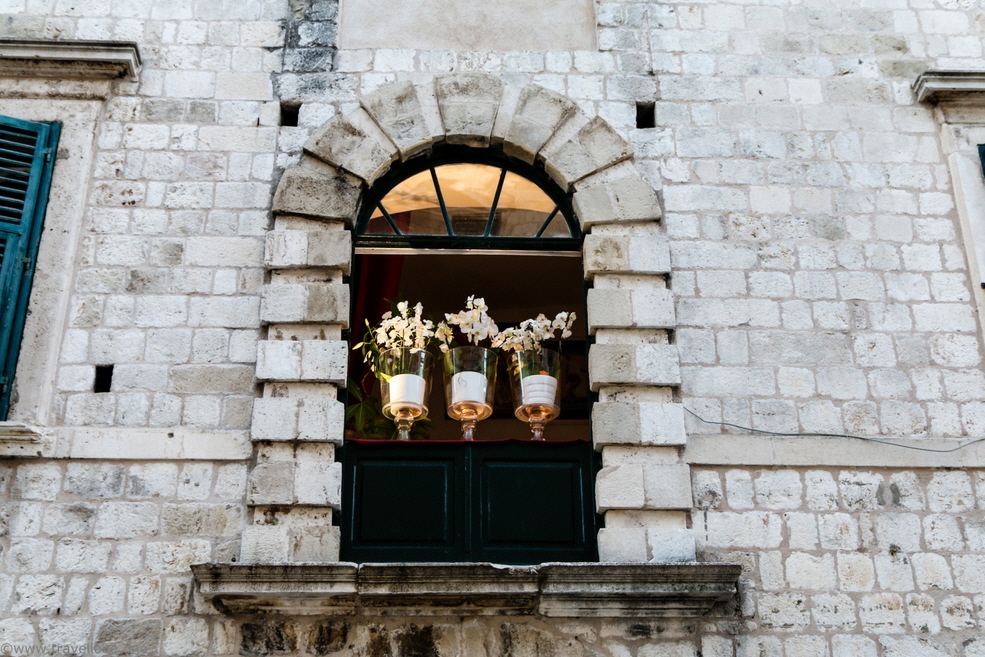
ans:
(398, 110)
(354, 143)
(305, 302)
(636, 254)
(594, 147)
(468, 103)
(647, 364)
(625, 199)
(630, 308)
(127, 637)
(309, 248)
(538, 114)
(317, 194)
(643, 423)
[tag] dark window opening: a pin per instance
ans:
(646, 115)
(289, 114)
(104, 378)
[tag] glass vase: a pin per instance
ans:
(405, 376)
(470, 385)
(534, 376)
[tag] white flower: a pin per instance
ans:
(530, 333)
(474, 322)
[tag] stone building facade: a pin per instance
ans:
(782, 209)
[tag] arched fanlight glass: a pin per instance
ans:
(460, 196)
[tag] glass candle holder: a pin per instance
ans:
(470, 385)
(534, 376)
(405, 376)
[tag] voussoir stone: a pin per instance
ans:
(354, 143)
(593, 148)
(629, 198)
(397, 109)
(539, 113)
(468, 103)
(317, 194)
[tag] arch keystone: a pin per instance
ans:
(539, 113)
(468, 103)
(398, 109)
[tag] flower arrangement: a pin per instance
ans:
(530, 333)
(404, 328)
(474, 323)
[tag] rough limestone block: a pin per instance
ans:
(271, 483)
(638, 423)
(539, 113)
(594, 147)
(354, 143)
(264, 544)
(468, 103)
(671, 545)
(627, 364)
(317, 482)
(629, 198)
(620, 487)
(274, 418)
(315, 544)
(309, 248)
(278, 360)
(622, 545)
(626, 254)
(637, 308)
(317, 194)
(324, 360)
(667, 486)
(397, 109)
(305, 302)
(321, 420)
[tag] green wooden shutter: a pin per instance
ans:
(27, 155)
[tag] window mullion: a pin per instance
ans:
(547, 222)
(495, 203)
(441, 202)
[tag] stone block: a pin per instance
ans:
(305, 302)
(274, 418)
(278, 360)
(126, 519)
(625, 254)
(670, 545)
(209, 378)
(264, 544)
(398, 110)
(634, 365)
(354, 143)
(642, 423)
(622, 545)
(318, 482)
(468, 103)
(594, 147)
(667, 486)
(271, 483)
(127, 637)
(628, 198)
(315, 544)
(538, 114)
(324, 360)
(630, 308)
(309, 248)
(620, 487)
(321, 420)
(317, 194)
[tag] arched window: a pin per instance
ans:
(437, 229)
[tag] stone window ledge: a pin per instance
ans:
(89, 60)
(20, 440)
(579, 590)
(935, 86)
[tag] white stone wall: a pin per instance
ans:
(818, 272)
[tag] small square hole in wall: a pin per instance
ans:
(104, 378)
(289, 114)
(645, 116)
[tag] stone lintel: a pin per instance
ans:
(19, 440)
(934, 86)
(48, 58)
(592, 590)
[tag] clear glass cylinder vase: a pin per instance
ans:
(534, 378)
(470, 385)
(405, 383)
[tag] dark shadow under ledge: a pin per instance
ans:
(566, 590)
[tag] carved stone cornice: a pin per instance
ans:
(20, 440)
(87, 60)
(934, 86)
(571, 590)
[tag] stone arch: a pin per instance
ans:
(298, 420)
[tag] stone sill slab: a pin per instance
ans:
(20, 440)
(565, 590)
(934, 86)
(90, 60)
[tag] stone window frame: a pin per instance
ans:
(643, 487)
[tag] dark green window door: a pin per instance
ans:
(27, 155)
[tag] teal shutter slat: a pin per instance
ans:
(26, 161)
